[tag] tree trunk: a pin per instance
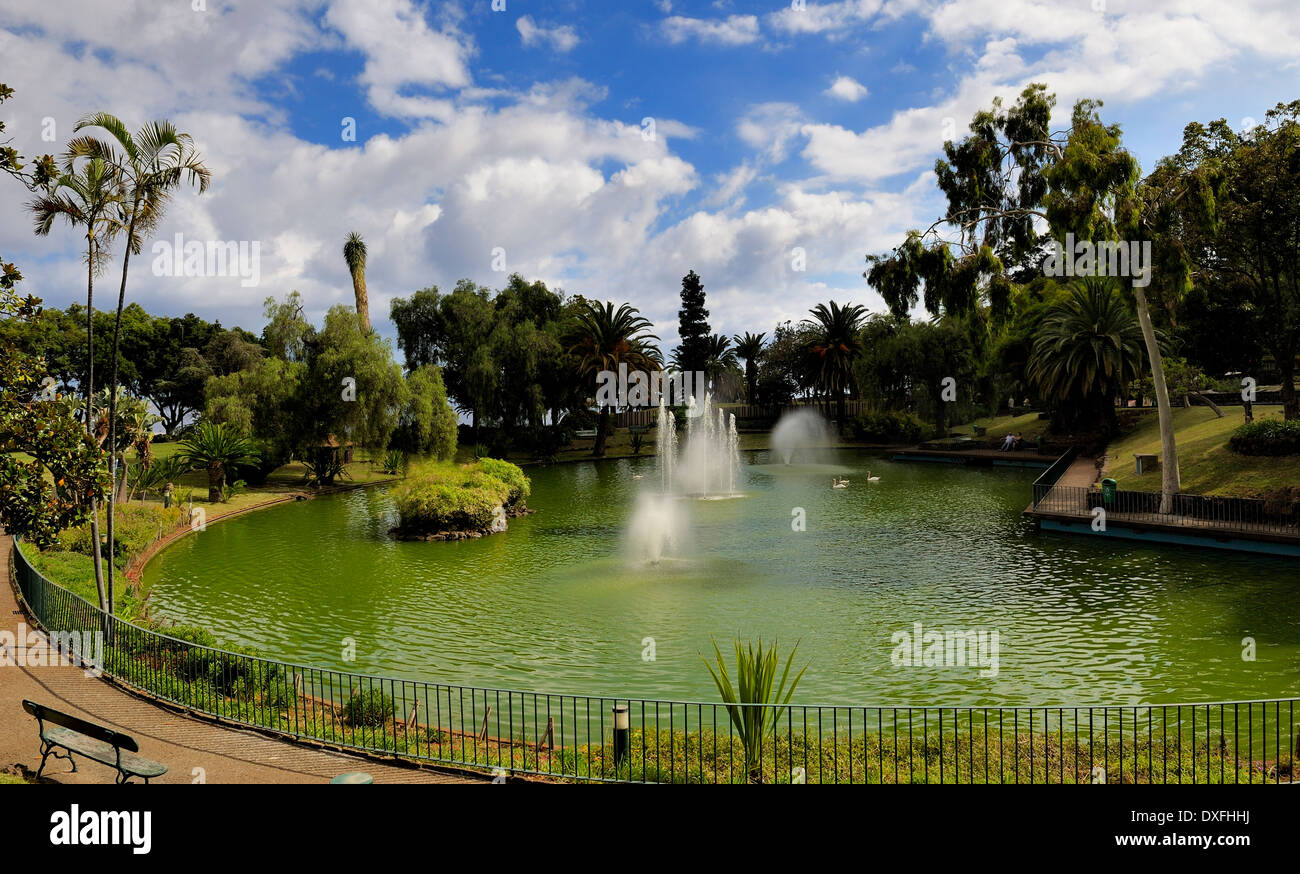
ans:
(112, 395)
(363, 299)
(1169, 480)
(602, 432)
(96, 557)
(1209, 403)
(216, 479)
(1286, 366)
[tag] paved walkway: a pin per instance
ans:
(183, 743)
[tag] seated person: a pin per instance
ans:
(1007, 442)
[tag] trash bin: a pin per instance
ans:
(1108, 489)
(1038, 441)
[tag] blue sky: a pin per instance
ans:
(521, 130)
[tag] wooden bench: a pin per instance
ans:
(92, 741)
(586, 432)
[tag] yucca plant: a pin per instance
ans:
(749, 700)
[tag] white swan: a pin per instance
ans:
(837, 483)
(636, 476)
(872, 479)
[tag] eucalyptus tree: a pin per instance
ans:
(87, 193)
(148, 165)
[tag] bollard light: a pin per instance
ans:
(622, 733)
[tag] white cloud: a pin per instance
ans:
(402, 51)
(847, 88)
(734, 30)
(562, 39)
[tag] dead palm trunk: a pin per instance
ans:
(1169, 480)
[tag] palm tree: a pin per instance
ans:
(86, 194)
(217, 449)
(1086, 351)
(148, 166)
(750, 349)
(601, 339)
(354, 252)
(833, 345)
(719, 362)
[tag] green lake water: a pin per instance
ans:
(557, 605)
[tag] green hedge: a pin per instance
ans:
(1267, 437)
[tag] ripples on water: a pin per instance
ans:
(554, 604)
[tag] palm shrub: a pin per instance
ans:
(217, 449)
(1086, 351)
(749, 700)
(395, 461)
(324, 465)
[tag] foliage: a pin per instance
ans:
(52, 491)
(1086, 353)
(512, 476)
(891, 426)
(447, 497)
(1267, 437)
(693, 325)
(368, 707)
(603, 339)
(395, 461)
(426, 424)
(219, 449)
(754, 685)
(324, 465)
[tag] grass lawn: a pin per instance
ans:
(1206, 464)
(1028, 425)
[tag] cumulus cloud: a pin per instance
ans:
(847, 88)
(562, 39)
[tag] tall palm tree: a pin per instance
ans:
(601, 339)
(86, 193)
(1086, 351)
(218, 449)
(354, 252)
(833, 345)
(750, 349)
(149, 166)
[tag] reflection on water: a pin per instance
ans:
(555, 604)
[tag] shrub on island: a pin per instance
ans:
(448, 501)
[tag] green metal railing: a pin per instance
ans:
(603, 739)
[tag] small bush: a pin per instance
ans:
(1267, 437)
(371, 707)
(511, 475)
(435, 735)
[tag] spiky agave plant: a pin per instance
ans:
(752, 703)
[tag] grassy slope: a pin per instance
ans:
(1206, 464)
(1028, 426)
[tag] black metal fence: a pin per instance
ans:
(603, 739)
(1221, 514)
